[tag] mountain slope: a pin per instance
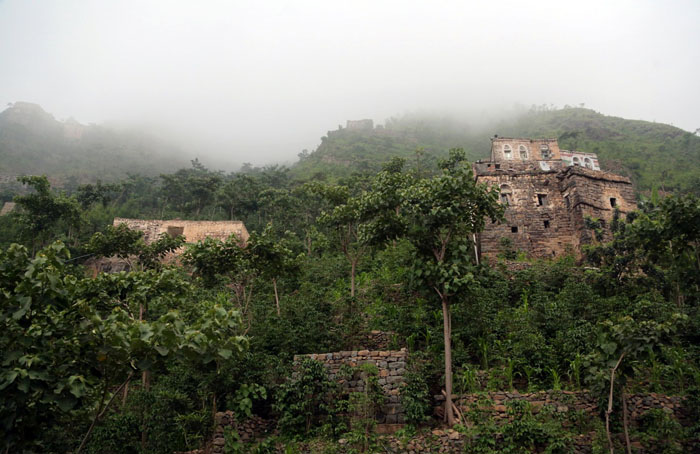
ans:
(649, 153)
(33, 142)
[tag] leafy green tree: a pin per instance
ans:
(345, 219)
(443, 212)
(225, 262)
(128, 244)
(272, 257)
(621, 343)
(72, 344)
(43, 211)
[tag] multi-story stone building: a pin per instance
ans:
(548, 194)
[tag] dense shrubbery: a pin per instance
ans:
(553, 325)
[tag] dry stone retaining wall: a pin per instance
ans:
(391, 365)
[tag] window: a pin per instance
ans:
(545, 151)
(587, 163)
(613, 202)
(568, 202)
(523, 152)
(174, 231)
(542, 200)
(498, 166)
(507, 152)
(514, 229)
(506, 194)
(577, 162)
(546, 224)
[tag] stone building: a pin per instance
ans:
(548, 194)
(193, 231)
(359, 125)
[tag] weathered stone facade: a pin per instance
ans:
(193, 231)
(391, 365)
(360, 125)
(548, 198)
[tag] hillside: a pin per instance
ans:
(32, 141)
(649, 153)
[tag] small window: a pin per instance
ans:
(568, 202)
(542, 200)
(613, 202)
(498, 166)
(577, 162)
(587, 163)
(545, 152)
(546, 224)
(174, 231)
(523, 152)
(514, 229)
(506, 194)
(507, 152)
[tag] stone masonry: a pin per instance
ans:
(548, 196)
(391, 365)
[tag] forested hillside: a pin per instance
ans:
(139, 361)
(651, 154)
(33, 142)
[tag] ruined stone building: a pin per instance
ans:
(193, 231)
(548, 194)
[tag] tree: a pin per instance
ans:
(620, 343)
(442, 212)
(345, 219)
(272, 257)
(228, 262)
(69, 343)
(43, 211)
(128, 244)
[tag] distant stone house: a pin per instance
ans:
(548, 194)
(192, 231)
(7, 208)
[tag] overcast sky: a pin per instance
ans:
(261, 80)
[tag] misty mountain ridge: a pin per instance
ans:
(649, 153)
(32, 141)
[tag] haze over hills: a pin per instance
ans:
(649, 153)
(32, 141)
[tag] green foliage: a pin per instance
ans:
(306, 399)
(61, 352)
(415, 395)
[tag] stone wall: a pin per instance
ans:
(565, 401)
(193, 231)
(391, 365)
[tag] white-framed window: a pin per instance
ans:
(523, 152)
(577, 161)
(507, 152)
(587, 163)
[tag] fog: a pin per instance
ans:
(260, 81)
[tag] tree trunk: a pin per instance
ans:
(277, 298)
(610, 404)
(625, 422)
(353, 266)
(448, 361)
